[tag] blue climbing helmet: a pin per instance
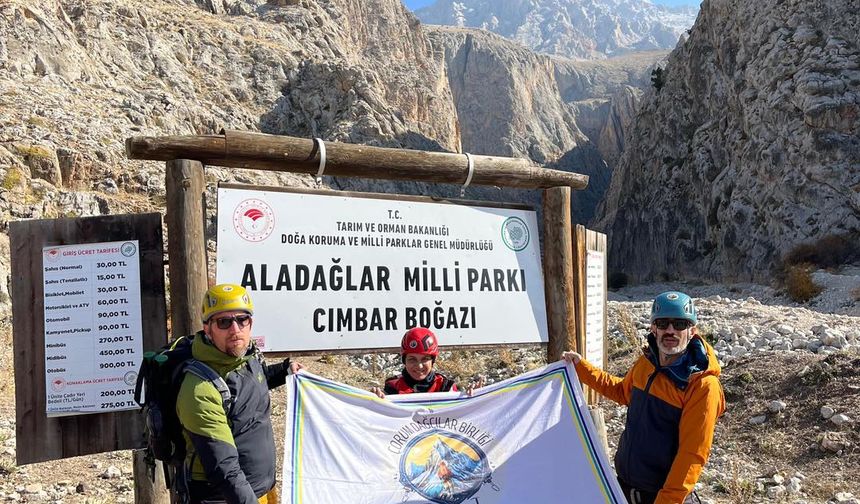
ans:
(673, 304)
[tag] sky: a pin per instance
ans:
(417, 4)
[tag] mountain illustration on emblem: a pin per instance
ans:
(443, 467)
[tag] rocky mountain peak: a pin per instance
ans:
(591, 29)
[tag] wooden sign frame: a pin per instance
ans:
(186, 156)
(42, 438)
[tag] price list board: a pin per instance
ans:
(595, 299)
(93, 332)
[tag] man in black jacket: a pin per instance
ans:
(229, 443)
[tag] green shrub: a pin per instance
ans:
(799, 284)
(828, 252)
(817, 376)
(657, 78)
(617, 280)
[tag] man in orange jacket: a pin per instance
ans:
(673, 397)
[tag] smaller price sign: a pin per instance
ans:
(93, 334)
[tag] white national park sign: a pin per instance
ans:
(331, 271)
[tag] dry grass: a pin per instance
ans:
(7, 367)
(799, 285)
(740, 490)
(14, 178)
(462, 366)
(827, 252)
(38, 121)
(33, 151)
(506, 358)
(627, 326)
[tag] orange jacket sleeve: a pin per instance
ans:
(696, 433)
(613, 387)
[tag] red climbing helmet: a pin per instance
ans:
(419, 340)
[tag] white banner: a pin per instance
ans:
(527, 439)
(328, 271)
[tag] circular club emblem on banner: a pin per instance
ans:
(515, 233)
(254, 220)
(444, 467)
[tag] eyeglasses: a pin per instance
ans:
(227, 322)
(678, 323)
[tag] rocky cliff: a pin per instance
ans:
(78, 77)
(591, 29)
(751, 147)
(566, 114)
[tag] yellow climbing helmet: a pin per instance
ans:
(226, 297)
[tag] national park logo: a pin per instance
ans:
(58, 384)
(515, 233)
(52, 254)
(254, 220)
(443, 467)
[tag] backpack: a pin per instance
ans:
(158, 381)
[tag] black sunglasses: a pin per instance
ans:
(227, 322)
(678, 323)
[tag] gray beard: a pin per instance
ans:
(678, 350)
(238, 352)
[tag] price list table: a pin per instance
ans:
(93, 334)
(594, 308)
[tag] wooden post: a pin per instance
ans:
(186, 248)
(580, 302)
(600, 426)
(145, 489)
(579, 281)
(585, 244)
(186, 244)
(558, 272)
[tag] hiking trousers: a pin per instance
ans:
(271, 497)
(636, 496)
